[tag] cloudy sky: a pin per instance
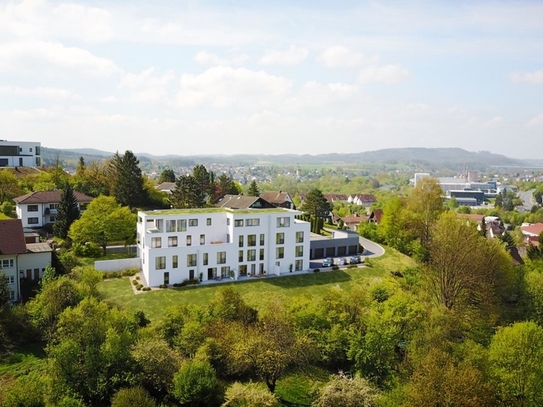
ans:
(248, 76)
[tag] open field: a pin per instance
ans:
(255, 292)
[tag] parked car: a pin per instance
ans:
(355, 259)
(340, 261)
(327, 262)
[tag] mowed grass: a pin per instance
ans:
(256, 292)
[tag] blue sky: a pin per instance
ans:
(195, 77)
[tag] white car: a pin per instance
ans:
(340, 261)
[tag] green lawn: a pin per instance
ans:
(255, 292)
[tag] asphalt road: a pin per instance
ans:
(527, 198)
(371, 249)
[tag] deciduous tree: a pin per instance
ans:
(346, 391)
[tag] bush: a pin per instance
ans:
(132, 397)
(316, 270)
(139, 287)
(130, 272)
(185, 282)
(196, 383)
(352, 266)
(135, 282)
(68, 260)
(6, 208)
(88, 250)
(137, 277)
(335, 267)
(163, 286)
(146, 289)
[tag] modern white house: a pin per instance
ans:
(36, 209)
(20, 153)
(223, 242)
(20, 260)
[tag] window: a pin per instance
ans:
(191, 260)
(205, 259)
(280, 238)
(208, 221)
(240, 240)
(175, 261)
(160, 263)
(159, 224)
(32, 208)
(170, 226)
(193, 222)
(53, 206)
(299, 237)
(251, 255)
(299, 251)
(240, 256)
(182, 225)
(191, 274)
(172, 241)
(32, 221)
(283, 222)
(11, 279)
(298, 265)
(238, 222)
(261, 254)
(7, 263)
(252, 222)
(189, 240)
(156, 242)
(202, 239)
(167, 278)
(262, 239)
(11, 295)
(221, 257)
(251, 240)
(280, 253)
(51, 219)
(225, 271)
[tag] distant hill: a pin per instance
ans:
(419, 158)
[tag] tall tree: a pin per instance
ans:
(316, 204)
(225, 185)
(166, 175)
(205, 180)
(104, 221)
(128, 180)
(425, 204)
(67, 213)
(253, 189)
(187, 193)
(346, 391)
(9, 187)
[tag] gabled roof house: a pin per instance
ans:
(36, 209)
(279, 199)
(18, 259)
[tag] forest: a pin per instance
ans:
(459, 323)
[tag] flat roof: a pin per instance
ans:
(203, 211)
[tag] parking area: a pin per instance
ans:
(340, 261)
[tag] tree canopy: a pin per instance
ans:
(67, 212)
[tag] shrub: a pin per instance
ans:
(132, 397)
(130, 272)
(137, 277)
(139, 287)
(163, 286)
(135, 282)
(316, 270)
(88, 250)
(335, 267)
(196, 383)
(185, 282)
(146, 289)
(6, 208)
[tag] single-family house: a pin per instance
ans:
(352, 221)
(279, 199)
(36, 209)
(20, 261)
(375, 216)
(166, 187)
(365, 200)
(531, 232)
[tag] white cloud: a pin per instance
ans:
(343, 57)
(91, 24)
(536, 121)
(208, 58)
(294, 55)
(318, 95)
(228, 87)
(53, 59)
(534, 78)
(39, 92)
(387, 74)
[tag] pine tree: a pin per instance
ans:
(187, 193)
(67, 213)
(253, 189)
(316, 204)
(128, 187)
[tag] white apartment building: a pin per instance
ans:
(214, 243)
(20, 153)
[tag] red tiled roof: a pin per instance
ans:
(376, 215)
(354, 219)
(12, 237)
(45, 197)
(532, 230)
(473, 216)
(335, 197)
(366, 198)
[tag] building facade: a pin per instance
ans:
(20, 154)
(214, 243)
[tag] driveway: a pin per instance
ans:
(527, 198)
(371, 249)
